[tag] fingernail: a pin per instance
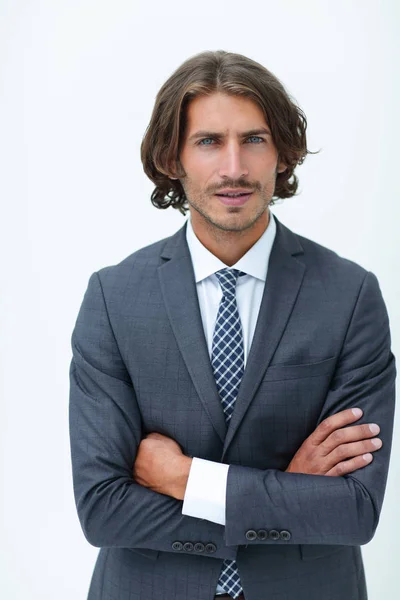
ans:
(367, 457)
(357, 412)
(377, 443)
(374, 428)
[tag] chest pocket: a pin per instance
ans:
(280, 372)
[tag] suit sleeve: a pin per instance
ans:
(319, 509)
(105, 431)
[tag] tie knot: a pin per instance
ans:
(227, 279)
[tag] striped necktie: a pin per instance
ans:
(228, 365)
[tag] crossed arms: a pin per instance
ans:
(106, 433)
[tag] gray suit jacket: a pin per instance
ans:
(140, 364)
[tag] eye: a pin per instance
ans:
(256, 137)
(204, 140)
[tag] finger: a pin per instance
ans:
(346, 451)
(330, 424)
(348, 435)
(349, 466)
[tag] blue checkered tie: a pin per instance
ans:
(228, 365)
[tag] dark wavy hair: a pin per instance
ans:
(232, 74)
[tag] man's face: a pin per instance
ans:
(226, 156)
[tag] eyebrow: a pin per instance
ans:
(206, 134)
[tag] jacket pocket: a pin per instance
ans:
(312, 551)
(147, 552)
(282, 371)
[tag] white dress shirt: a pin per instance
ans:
(206, 487)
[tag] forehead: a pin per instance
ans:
(223, 112)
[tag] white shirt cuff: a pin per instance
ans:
(205, 495)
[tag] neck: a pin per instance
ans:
(228, 246)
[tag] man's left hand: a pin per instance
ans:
(161, 466)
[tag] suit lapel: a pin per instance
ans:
(284, 278)
(181, 301)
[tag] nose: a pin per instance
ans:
(232, 163)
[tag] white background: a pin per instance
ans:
(78, 81)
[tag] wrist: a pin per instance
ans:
(182, 475)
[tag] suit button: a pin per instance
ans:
(262, 534)
(274, 534)
(177, 546)
(211, 548)
(251, 535)
(199, 547)
(188, 546)
(285, 535)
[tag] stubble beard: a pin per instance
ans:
(198, 202)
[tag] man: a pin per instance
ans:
(215, 450)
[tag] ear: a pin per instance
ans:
(281, 167)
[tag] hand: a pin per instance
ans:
(326, 450)
(161, 466)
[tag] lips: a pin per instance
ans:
(234, 201)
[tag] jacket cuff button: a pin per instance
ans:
(262, 534)
(188, 546)
(274, 534)
(199, 547)
(177, 546)
(211, 548)
(285, 535)
(251, 535)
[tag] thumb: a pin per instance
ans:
(155, 436)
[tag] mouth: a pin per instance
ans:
(234, 200)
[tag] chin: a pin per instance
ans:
(239, 223)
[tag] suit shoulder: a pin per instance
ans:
(145, 259)
(324, 257)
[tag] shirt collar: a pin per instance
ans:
(254, 262)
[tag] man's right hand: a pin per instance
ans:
(335, 450)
